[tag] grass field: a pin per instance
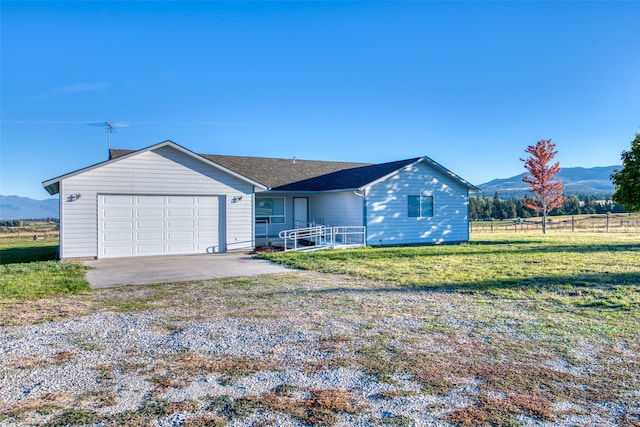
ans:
(29, 270)
(527, 328)
(589, 223)
(593, 276)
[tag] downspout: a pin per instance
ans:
(61, 221)
(468, 215)
(253, 217)
(364, 211)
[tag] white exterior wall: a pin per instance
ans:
(161, 171)
(334, 208)
(274, 229)
(388, 222)
(337, 209)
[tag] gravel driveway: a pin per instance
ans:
(292, 350)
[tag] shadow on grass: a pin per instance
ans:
(613, 291)
(470, 249)
(550, 248)
(29, 254)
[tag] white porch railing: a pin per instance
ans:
(320, 237)
(349, 235)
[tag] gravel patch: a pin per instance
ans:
(222, 365)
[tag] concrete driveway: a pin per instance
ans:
(112, 272)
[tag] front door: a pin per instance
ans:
(300, 212)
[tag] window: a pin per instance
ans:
(420, 206)
(270, 210)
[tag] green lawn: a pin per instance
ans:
(20, 249)
(594, 276)
(544, 327)
(488, 262)
(29, 271)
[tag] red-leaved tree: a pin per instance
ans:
(547, 191)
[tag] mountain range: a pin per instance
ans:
(579, 181)
(16, 207)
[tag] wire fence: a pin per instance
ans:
(606, 223)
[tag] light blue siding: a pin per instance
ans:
(272, 230)
(343, 208)
(387, 217)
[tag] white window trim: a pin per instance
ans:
(420, 201)
(269, 218)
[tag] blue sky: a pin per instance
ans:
(469, 84)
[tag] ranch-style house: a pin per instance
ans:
(166, 199)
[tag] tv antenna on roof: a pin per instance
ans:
(109, 126)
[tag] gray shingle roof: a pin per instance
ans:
(308, 175)
(276, 173)
(273, 172)
(352, 178)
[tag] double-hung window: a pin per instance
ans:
(270, 210)
(420, 206)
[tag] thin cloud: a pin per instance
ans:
(72, 89)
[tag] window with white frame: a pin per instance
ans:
(420, 206)
(270, 210)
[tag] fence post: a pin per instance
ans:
(573, 220)
(607, 222)
(492, 225)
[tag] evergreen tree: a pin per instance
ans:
(571, 205)
(589, 206)
(510, 209)
(626, 181)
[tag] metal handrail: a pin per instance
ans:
(321, 236)
(349, 235)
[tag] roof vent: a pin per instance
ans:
(294, 159)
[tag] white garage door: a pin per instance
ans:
(136, 225)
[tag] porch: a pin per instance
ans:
(317, 237)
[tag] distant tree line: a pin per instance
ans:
(22, 222)
(496, 208)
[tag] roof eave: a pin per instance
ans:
(52, 188)
(335, 190)
(53, 185)
(472, 188)
(382, 178)
(461, 180)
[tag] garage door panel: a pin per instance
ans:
(180, 200)
(158, 225)
(180, 213)
(182, 247)
(178, 224)
(150, 237)
(149, 201)
(119, 213)
(152, 249)
(181, 235)
(209, 221)
(118, 237)
(113, 251)
(115, 200)
(150, 225)
(118, 225)
(207, 212)
(208, 248)
(150, 213)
